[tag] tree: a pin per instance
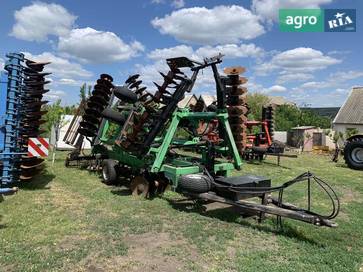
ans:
(53, 116)
(85, 91)
(288, 116)
(82, 92)
(255, 102)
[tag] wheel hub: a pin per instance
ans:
(357, 154)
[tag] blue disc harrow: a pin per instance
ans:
(21, 93)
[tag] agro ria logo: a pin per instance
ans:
(341, 20)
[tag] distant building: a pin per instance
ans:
(208, 99)
(308, 137)
(61, 145)
(279, 101)
(329, 112)
(350, 115)
(188, 101)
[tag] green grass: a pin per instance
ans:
(67, 220)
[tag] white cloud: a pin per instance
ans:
(342, 91)
(171, 52)
(39, 20)
(285, 77)
(90, 45)
(221, 24)
(2, 63)
(231, 51)
(300, 59)
(276, 89)
(73, 82)
(268, 9)
(345, 76)
(335, 80)
(157, 1)
(178, 3)
(60, 67)
(149, 73)
(228, 50)
(54, 95)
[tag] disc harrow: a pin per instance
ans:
(23, 113)
(95, 106)
(237, 105)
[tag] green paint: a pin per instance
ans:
(301, 20)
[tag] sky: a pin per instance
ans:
(84, 39)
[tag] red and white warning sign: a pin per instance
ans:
(38, 147)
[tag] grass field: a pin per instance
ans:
(68, 220)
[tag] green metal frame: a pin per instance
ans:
(156, 159)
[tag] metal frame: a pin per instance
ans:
(10, 151)
(156, 160)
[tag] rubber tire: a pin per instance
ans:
(109, 172)
(349, 147)
(125, 94)
(195, 183)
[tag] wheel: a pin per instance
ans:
(195, 183)
(353, 154)
(109, 173)
(139, 186)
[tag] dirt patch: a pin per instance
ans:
(70, 201)
(349, 195)
(149, 252)
(71, 242)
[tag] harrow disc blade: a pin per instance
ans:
(95, 105)
(135, 84)
(101, 93)
(132, 78)
(86, 132)
(236, 70)
(104, 83)
(237, 90)
(98, 99)
(88, 126)
(106, 77)
(237, 110)
(91, 119)
(237, 100)
(92, 112)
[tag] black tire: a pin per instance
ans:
(353, 151)
(195, 183)
(259, 150)
(125, 94)
(109, 172)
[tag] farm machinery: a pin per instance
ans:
(145, 140)
(21, 92)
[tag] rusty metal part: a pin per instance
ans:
(139, 186)
(237, 105)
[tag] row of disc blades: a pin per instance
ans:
(31, 115)
(237, 105)
(96, 104)
(154, 104)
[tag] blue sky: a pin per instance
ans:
(86, 38)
